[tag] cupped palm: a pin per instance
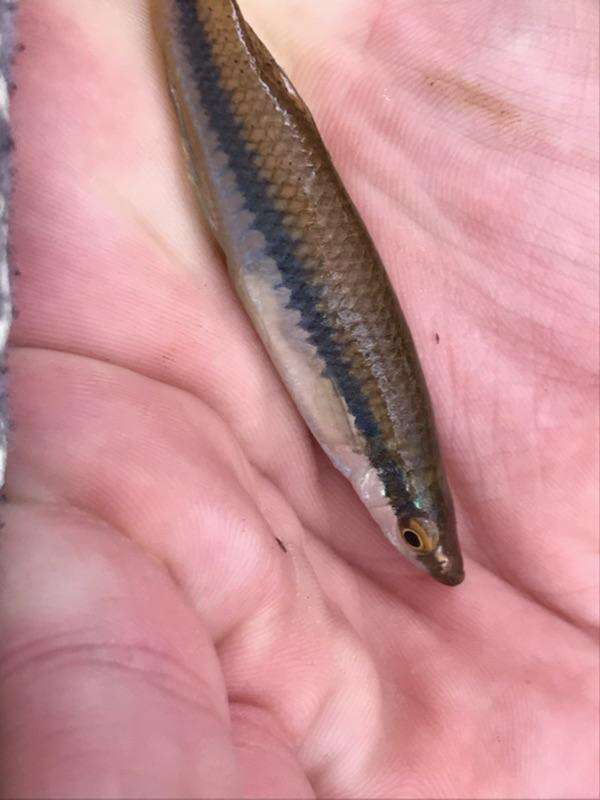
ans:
(157, 639)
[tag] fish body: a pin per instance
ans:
(308, 274)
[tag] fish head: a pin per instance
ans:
(427, 536)
(431, 548)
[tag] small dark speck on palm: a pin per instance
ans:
(281, 544)
(436, 336)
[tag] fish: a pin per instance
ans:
(306, 270)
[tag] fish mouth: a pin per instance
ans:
(444, 568)
(449, 578)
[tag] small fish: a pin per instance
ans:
(308, 274)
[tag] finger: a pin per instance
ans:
(109, 684)
(155, 464)
(476, 177)
(118, 266)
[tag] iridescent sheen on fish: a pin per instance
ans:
(307, 272)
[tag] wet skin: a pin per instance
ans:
(155, 638)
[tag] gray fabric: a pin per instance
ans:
(7, 7)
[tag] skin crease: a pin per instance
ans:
(155, 640)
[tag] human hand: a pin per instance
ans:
(156, 641)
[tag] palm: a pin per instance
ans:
(156, 455)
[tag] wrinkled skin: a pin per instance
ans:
(155, 640)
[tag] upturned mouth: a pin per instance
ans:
(449, 578)
(444, 568)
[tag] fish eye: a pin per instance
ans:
(412, 539)
(420, 535)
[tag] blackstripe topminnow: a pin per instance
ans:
(308, 273)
